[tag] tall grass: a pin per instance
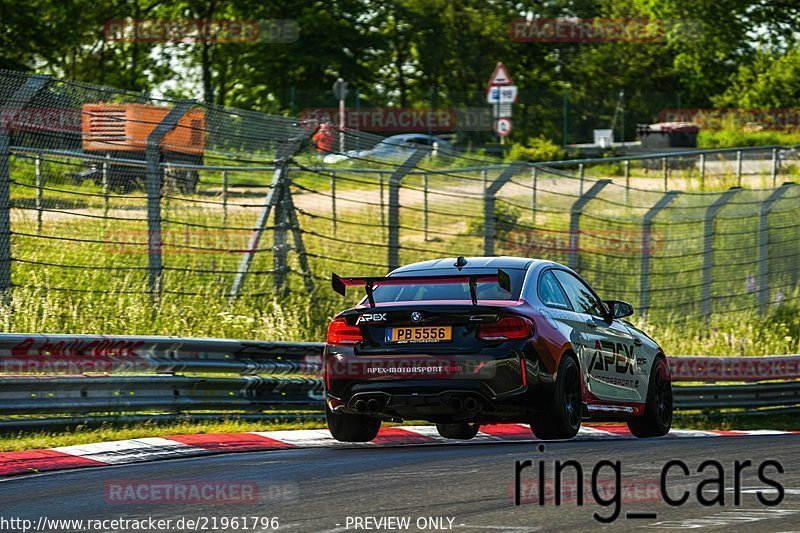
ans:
(99, 298)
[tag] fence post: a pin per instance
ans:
(282, 156)
(702, 171)
(763, 244)
(106, 205)
(774, 167)
(297, 234)
(393, 259)
(39, 198)
(425, 205)
(627, 180)
(739, 168)
(279, 236)
(647, 246)
(8, 111)
(224, 197)
(489, 195)
(333, 200)
(383, 206)
(534, 179)
(155, 178)
(582, 172)
(665, 164)
(573, 256)
(708, 247)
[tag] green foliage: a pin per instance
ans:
(506, 218)
(770, 81)
(415, 53)
(733, 138)
(536, 149)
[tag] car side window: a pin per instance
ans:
(550, 292)
(579, 294)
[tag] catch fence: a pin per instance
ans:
(113, 203)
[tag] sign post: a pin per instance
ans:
(501, 93)
(340, 92)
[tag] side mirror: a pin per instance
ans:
(618, 308)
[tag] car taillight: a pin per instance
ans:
(510, 327)
(339, 333)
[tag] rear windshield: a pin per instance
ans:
(450, 291)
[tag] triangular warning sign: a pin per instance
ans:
(500, 76)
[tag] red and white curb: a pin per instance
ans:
(154, 448)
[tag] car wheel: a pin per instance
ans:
(352, 428)
(463, 431)
(562, 419)
(657, 418)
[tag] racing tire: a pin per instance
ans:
(352, 428)
(562, 418)
(460, 431)
(657, 418)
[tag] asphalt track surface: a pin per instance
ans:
(316, 490)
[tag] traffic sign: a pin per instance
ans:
(502, 110)
(502, 126)
(500, 76)
(502, 94)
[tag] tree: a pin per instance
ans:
(770, 81)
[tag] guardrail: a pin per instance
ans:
(60, 375)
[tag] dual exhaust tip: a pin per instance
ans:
(467, 404)
(367, 406)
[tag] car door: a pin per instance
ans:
(607, 351)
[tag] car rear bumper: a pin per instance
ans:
(437, 401)
(498, 384)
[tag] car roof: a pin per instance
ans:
(522, 263)
(409, 136)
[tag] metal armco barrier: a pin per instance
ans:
(76, 354)
(61, 375)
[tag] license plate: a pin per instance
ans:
(420, 334)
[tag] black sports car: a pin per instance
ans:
(468, 341)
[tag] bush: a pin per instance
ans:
(735, 138)
(536, 149)
(506, 218)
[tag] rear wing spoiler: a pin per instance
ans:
(340, 284)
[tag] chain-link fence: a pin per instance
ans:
(112, 203)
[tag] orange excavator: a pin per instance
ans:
(119, 132)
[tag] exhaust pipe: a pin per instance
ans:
(471, 404)
(373, 405)
(361, 406)
(456, 403)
